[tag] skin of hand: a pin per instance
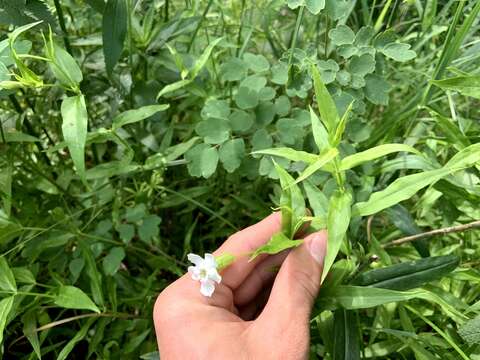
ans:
(255, 312)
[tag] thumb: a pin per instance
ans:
(298, 281)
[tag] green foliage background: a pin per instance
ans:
(135, 132)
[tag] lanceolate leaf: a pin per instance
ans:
(466, 85)
(374, 153)
(291, 203)
(71, 297)
(321, 161)
(202, 60)
(337, 225)
(6, 305)
(173, 86)
(319, 133)
(345, 339)
(276, 244)
(7, 280)
(290, 154)
(74, 128)
(78, 337)
(401, 189)
(114, 30)
(133, 116)
(326, 105)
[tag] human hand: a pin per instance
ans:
(246, 317)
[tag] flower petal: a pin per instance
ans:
(213, 274)
(207, 287)
(210, 261)
(195, 272)
(195, 259)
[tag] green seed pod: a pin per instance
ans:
(409, 275)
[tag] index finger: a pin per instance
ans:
(244, 242)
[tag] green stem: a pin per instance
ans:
(199, 24)
(61, 21)
(25, 293)
(295, 36)
(130, 46)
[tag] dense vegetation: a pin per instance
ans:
(136, 131)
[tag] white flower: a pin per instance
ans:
(205, 271)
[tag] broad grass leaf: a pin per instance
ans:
(290, 154)
(17, 136)
(451, 131)
(136, 115)
(374, 153)
(320, 135)
(468, 85)
(74, 129)
(276, 244)
(71, 297)
(7, 279)
(79, 336)
(409, 275)
(173, 87)
(202, 60)
(114, 31)
(6, 306)
(326, 105)
(321, 161)
(470, 331)
(346, 344)
(338, 219)
(401, 189)
(465, 158)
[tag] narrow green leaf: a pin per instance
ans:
(173, 87)
(133, 116)
(93, 273)
(29, 330)
(465, 158)
(7, 280)
(5, 308)
(466, 85)
(202, 60)
(451, 131)
(341, 126)
(276, 244)
(338, 219)
(17, 136)
(292, 203)
(79, 336)
(74, 128)
(322, 160)
(410, 274)
(374, 153)
(290, 154)
(63, 65)
(319, 133)
(326, 105)
(401, 189)
(346, 344)
(114, 31)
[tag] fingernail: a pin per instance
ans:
(317, 246)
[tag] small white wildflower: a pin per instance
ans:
(205, 271)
